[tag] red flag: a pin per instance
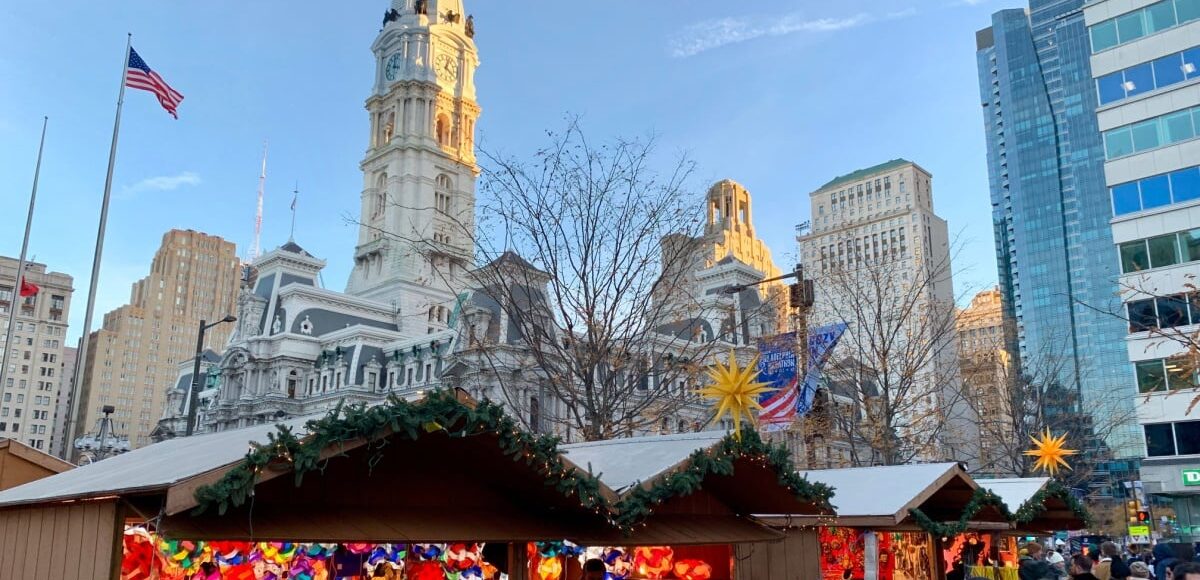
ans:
(28, 288)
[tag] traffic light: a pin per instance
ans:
(1143, 517)
(801, 294)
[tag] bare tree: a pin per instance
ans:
(895, 366)
(586, 317)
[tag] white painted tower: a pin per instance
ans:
(415, 241)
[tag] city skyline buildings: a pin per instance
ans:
(35, 384)
(214, 151)
(1056, 263)
(132, 358)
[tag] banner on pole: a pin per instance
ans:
(777, 367)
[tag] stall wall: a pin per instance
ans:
(796, 557)
(79, 541)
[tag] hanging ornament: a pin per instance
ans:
(1050, 452)
(550, 568)
(653, 562)
(426, 570)
(618, 562)
(138, 561)
(735, 391)
(693, 570)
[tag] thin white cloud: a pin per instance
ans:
(706, 35)
(163, 183)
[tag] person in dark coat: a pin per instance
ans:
(1164, 557)
(1081, 568)
(1033, 566)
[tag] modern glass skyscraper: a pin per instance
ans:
(1051, 210)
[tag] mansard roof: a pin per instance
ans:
(293, 247)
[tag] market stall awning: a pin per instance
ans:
(150, 469)
(674, 478)
(888, 496)
(1038, 504)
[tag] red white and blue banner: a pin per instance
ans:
(777, 367)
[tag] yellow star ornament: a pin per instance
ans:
(735, 391)
(1050, 452)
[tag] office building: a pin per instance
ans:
(876, 248)
(34, 384)
(132, 360)
(1146, 64)
(1057, 265)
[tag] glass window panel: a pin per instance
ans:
(1172, 311)
(1118, 143)
(1191, 62)
(1196, 117)
(1150, 377)
(1190, 243)
(1160, 441)
(1187, 437)
(1126, 198)
(1160, 16)
(1134, 257)
(1168, 70)
(1164, 251)
(1104, 35)
(1186, 10)
(1141, 316)
(1139, 79)
(1185, 184)
(1178, 126)
(1146, 135)
(1130, 26)
(1156, 191)
(1111, 87)
(1179, 374)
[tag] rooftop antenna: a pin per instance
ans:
(295, 198)
(262, 180)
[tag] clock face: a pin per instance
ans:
(447, 68)
(394, 64)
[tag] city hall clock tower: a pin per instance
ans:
(417, 223)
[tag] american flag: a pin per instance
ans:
(780, 409)
(139, 76)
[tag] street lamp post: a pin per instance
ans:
(194, 389)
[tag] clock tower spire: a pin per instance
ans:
(417, 223)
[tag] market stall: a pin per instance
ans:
(439, 488)
(1037, 506)
(890, 522)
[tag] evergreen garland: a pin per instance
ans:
(979, 500)
(440, 411)
(1036, 504)
(640, 502)
(1027, 512)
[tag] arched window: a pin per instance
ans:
(444, 183)
(443, 130)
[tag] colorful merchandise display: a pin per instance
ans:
(149, 557)
(900, 555)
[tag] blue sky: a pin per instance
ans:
(778, 95)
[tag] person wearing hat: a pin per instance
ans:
(1139, 569)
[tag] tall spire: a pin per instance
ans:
(258, 214)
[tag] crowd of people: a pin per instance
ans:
(1107, 563)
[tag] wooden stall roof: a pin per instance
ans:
(153, 468)
(881, 497)
(21, 464)
(629, 463)
(1054, 512)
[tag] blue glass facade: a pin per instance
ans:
(1051, 209)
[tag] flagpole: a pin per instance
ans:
(14, 307)
(81, 355)
(295, 197)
